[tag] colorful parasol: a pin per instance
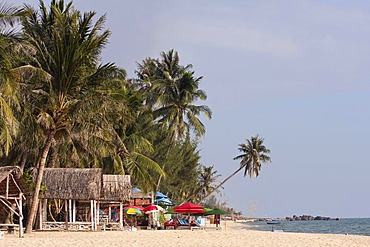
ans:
(132, 211)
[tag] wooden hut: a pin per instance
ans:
(12, 190)
(140, 198)
(82, 190)
(115, 192)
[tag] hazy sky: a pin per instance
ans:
(295, 72)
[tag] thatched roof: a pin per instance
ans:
(139, 194)
(16, 185)
(116, 188)
(71, 183)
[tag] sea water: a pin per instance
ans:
(358, 226)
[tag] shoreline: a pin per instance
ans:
(235, 234)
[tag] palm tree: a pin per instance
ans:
(179, 89)
(171, 91)
(205, 185)
(207, 178)
(67, 47)
(254, 153)
(9, 78)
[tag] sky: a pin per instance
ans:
(295, 72)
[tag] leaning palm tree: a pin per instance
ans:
(67, 46)
(254, 153)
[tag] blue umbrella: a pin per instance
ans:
(159, 194)
(165, 201)
(136, 189)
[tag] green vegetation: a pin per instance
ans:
(61, 107)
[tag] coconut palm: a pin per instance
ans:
(207, 178)
(67, 47)
(171, 91)
(254, 154)
(9, 78)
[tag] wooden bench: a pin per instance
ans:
(11, 227)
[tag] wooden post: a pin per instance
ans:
(74, 211)
(40, 214)
(70, 210)
(95, 225)
(92, 214)
(66, 211)
(20, 216)
(120, 216)
(45, 210)
(97, 214)
(7, 187)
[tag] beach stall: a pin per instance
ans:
(12, 189)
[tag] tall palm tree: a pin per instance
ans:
(67, 47)
(171, 91)
(254, 154)
(179, 90)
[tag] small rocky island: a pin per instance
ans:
(298, 218)
(308, 217)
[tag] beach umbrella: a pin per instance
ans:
(160, 195)
(189, 208)
(136, 189)
(164, 201)
(215, 211)
(162, 198)
(133, 206)
(132, 211)
(152, 208)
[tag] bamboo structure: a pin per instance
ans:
(12, 190)
(87, 187)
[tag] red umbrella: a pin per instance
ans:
(152, 208)
(189, 208)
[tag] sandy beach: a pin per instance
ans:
(233, 235)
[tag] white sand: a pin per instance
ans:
(232, 236)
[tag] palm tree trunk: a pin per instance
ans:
(35, 198)
(218, 186)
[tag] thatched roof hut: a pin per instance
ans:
(84, 184)
(71, 183)
(116, 188)
(12, 188)
(15, 184)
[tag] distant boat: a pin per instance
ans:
(274, 227)
(273, 222)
